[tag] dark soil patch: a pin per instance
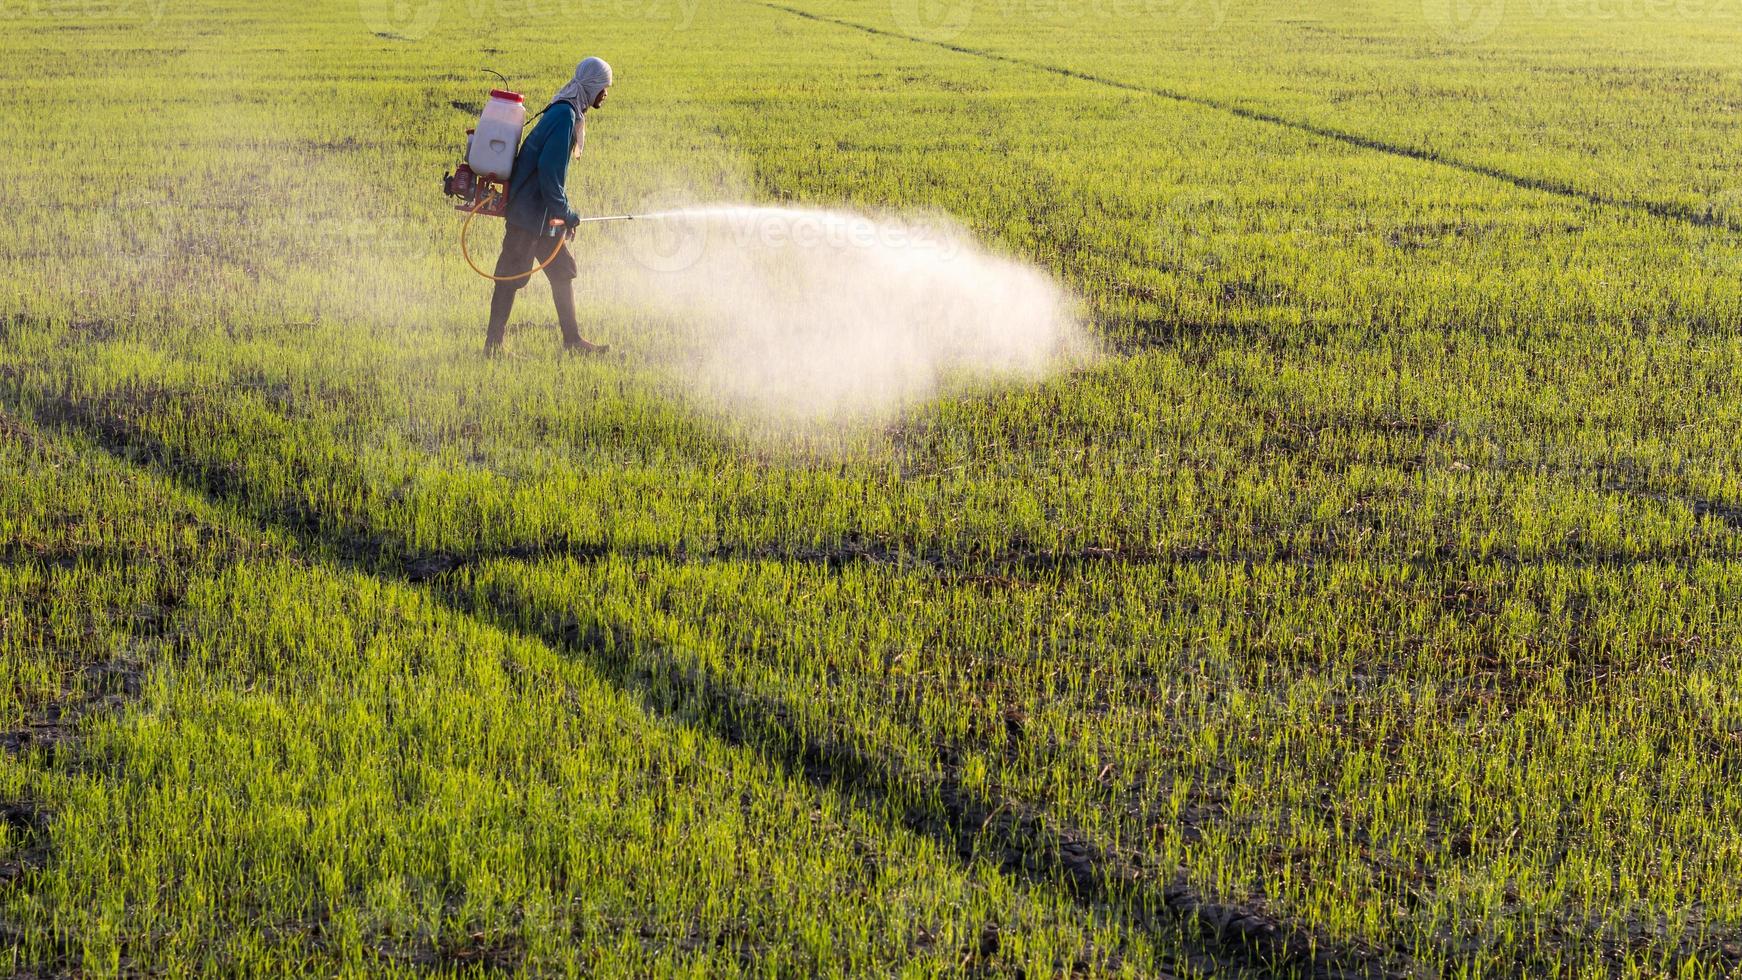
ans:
(1728, 513)
(27, 823)
(94, 688)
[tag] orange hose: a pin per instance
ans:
(468, 254)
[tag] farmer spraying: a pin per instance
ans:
(538, 207)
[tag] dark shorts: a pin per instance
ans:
(523, 249)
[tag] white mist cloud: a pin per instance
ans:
(815, 313)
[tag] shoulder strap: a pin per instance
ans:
(534, 116)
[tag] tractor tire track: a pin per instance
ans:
(1663, 210)
(93, 683)
(1221, 937)
(1226, 936)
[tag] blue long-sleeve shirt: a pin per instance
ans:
(535, 192)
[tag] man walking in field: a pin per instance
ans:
(536, 198)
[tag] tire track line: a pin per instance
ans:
(1214, 937)
(1663, 210)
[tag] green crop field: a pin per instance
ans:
(1368, 603)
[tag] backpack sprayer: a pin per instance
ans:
(480, 183)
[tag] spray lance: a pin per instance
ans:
(480, 183)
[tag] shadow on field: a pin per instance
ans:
(94, 612)
(1213, 936)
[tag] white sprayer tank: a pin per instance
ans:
(497, 136)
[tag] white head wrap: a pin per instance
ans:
(592, 75)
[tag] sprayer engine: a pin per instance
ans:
(472, 191)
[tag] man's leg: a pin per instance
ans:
(501, 304)
(561, 274)
(562, 292)
(516, 258)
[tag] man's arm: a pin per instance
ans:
(553, 166)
